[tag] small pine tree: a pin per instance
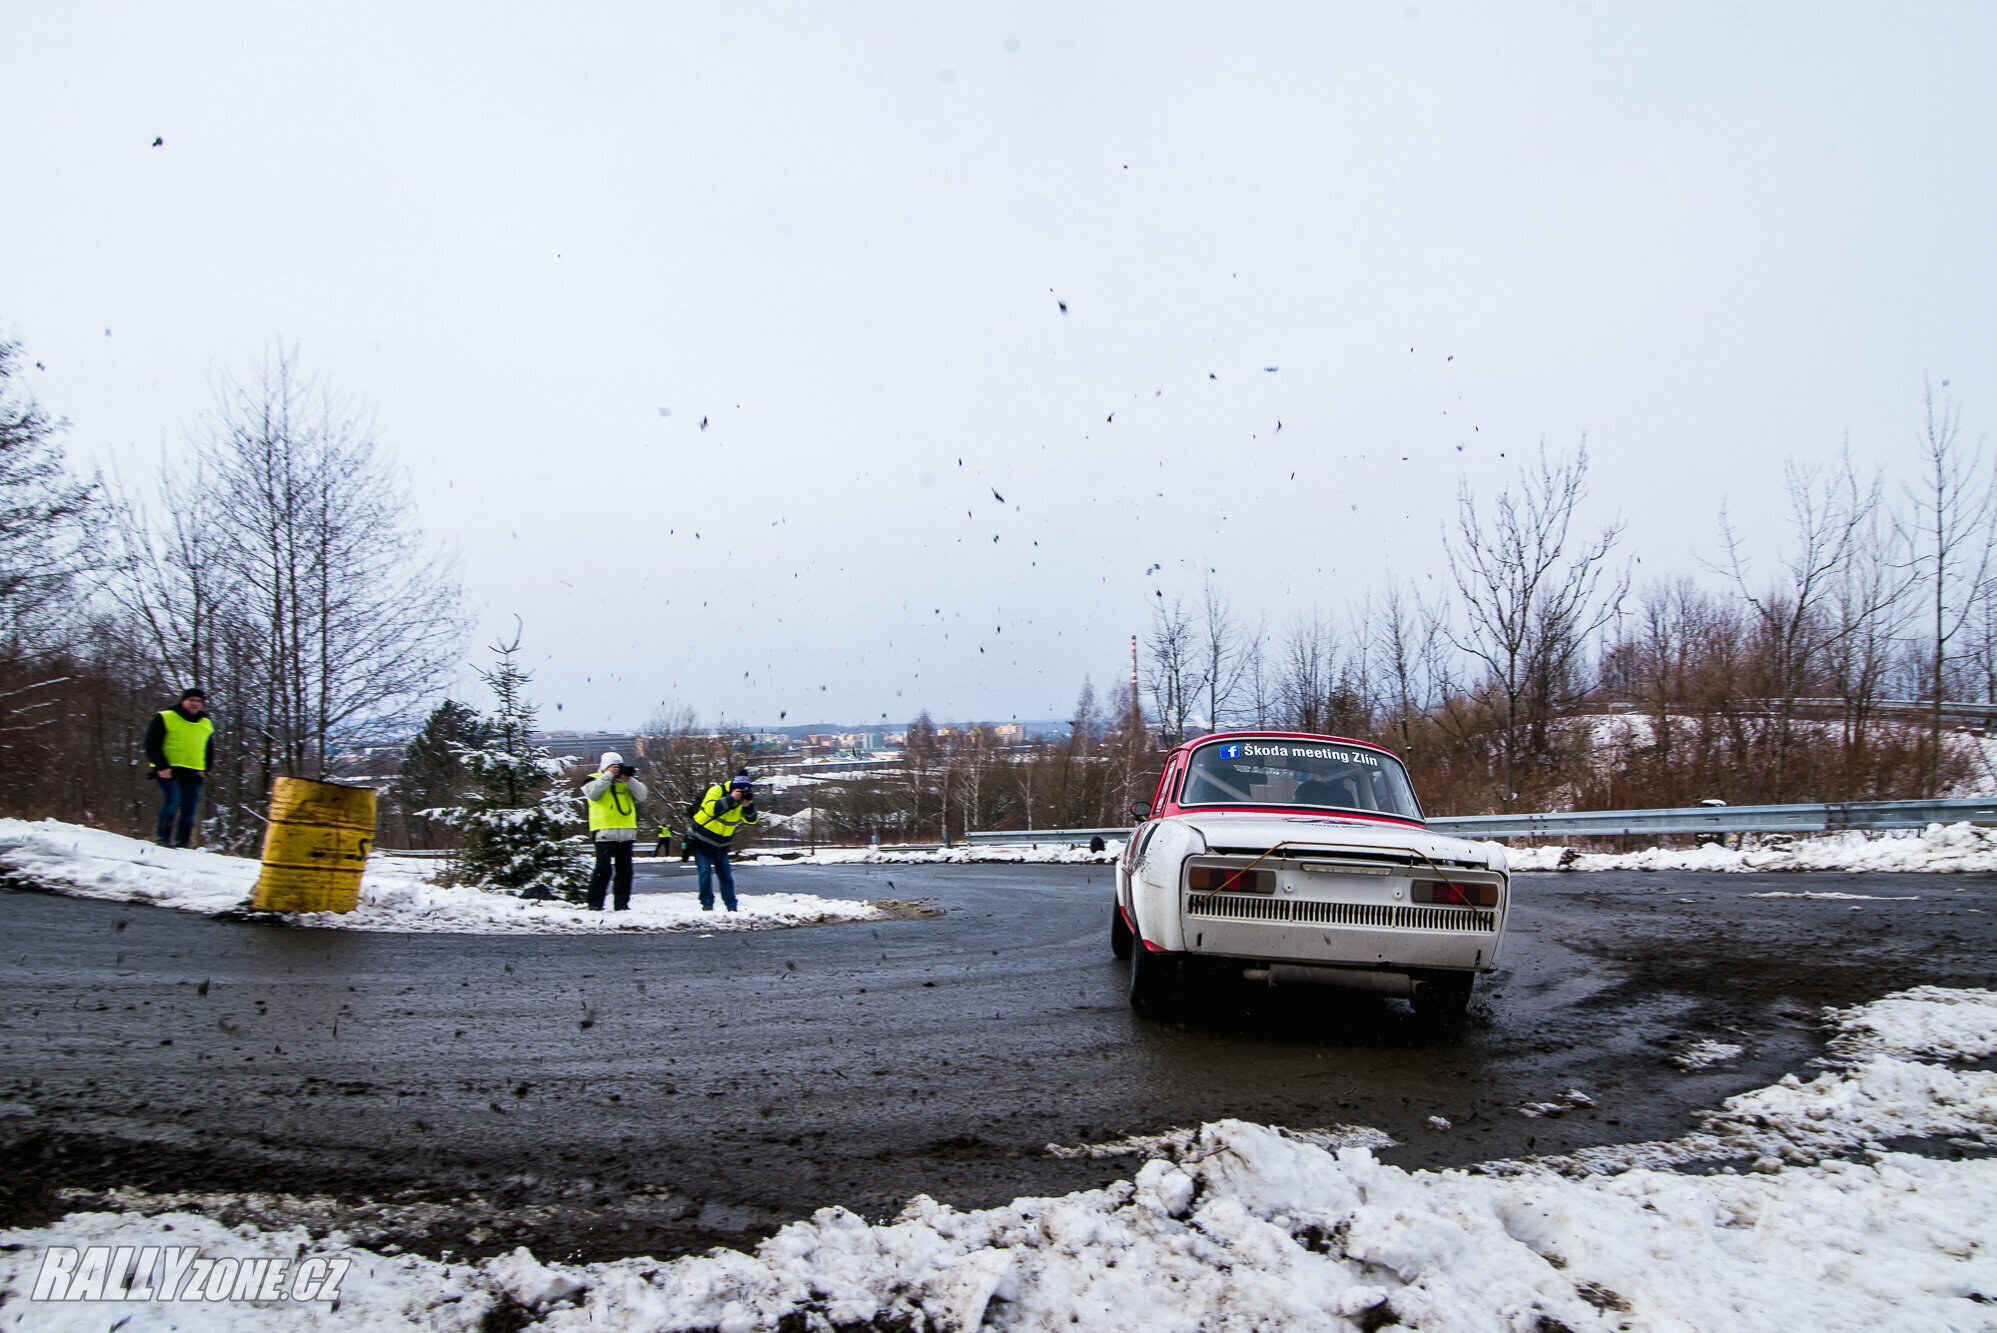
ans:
(432, 773)
(516, 817)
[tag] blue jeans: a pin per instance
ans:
(713, 863)
(179, 795)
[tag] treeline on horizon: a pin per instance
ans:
(276, 561)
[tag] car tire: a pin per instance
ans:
(1444, 1000)
(1119, 931)
(1154, 982)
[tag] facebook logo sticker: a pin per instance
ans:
(1230, 752)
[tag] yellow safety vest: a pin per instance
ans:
(186, 743)
(721, 825)
(613, 809)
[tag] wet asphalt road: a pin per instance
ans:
(655, 1093)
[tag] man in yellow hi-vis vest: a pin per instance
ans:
(720, 813)
(176, 744)
(613, 794)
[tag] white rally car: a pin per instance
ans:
(1287, 859)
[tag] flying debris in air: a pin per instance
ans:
(1212, 376)
(703, 423)
(997, 496)
(1110, 417)
(1279, 426)
(1155, 568)
(158, 142)
(1268, 370)
(1063, 305)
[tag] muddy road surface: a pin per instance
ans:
(598, 1097)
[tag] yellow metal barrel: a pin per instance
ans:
(315, 847)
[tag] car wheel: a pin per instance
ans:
(1119, 932)
(1444, 1000)
(1154, 982)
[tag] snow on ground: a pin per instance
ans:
(1933, 1022)
(395, 893)
(1237, 1226)
(1044, 853)
(1844, 897)
(1175, 1142)
(1705, 1053)
(1942, 848)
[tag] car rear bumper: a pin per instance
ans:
(1362, 947)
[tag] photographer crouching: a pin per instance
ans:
(613, 794)
(720, 813)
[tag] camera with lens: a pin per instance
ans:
(626, 770)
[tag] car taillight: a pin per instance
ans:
(1215, 879)
(1464, 895)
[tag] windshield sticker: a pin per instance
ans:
(1252, 750)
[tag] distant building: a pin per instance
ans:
(587, 745)
(1012, 733)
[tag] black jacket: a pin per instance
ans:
(156, 743)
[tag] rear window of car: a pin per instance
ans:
(1309, 775)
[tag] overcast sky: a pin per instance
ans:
(545, 244)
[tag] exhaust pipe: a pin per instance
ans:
(1349, 978)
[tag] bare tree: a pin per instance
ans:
(1173, 669)
(1827, 511)
(40, 504)
(175, 574)
(1869, 608)
(357, 618)
(1304, 678)
(1952, 533)
(1405, 642)
(1530, 605)
(1257, 678)
(41, 557)
(1224, 656)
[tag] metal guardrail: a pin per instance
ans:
(1066, 836)
(1825, 818)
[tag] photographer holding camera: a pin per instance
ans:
(613, 794)
(720, 813)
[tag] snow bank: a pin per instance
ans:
(1015, 853)
(395, 895)
(1237, 1226)
(1937, 848)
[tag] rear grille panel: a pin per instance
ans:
(1236, 907)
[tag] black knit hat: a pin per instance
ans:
(741, 779)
